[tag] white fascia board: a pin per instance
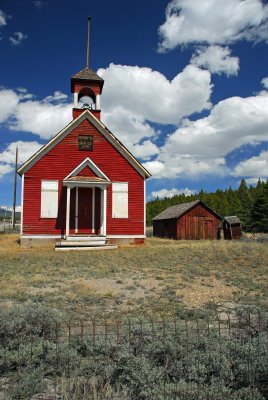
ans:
(88, 163)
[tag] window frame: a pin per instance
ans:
(114, 192)
(45, 190)
(79, 144)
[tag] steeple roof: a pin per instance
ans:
(87, 74)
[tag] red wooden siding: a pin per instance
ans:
(87, 172)
(198, 223)
(78, 111)
(60, 161)
(79, 85)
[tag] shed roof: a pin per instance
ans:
(179, 209)
(232, 219)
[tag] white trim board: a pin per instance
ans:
(21, 204)
(87, 163)
(101, 128)
(63, 236)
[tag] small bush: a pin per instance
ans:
(139, 364)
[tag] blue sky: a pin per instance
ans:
(186, 84)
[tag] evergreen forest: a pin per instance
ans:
(250, 204)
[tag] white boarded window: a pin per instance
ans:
(49, 199)
(120, 200)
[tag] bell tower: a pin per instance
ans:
(87, 86)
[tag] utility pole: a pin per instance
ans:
(15, 189)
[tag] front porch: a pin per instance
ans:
(86, 207)
(86, 214)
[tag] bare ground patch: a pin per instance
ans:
(162, 275)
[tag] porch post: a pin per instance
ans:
(76, 209)
(93, 210)
(68, 212)
(103, 210)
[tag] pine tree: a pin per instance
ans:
(259, 215)
(244, 212)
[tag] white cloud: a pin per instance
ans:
(231, 123)
(216, 59)
(254, 181)
(254, 167)
(17, 38)
(265, 82)
(171, 192)
(5, 169)
(213, 22)
(171, 165)
(3, 18)
(25, 151)
(145, 150)
(135, 96)
(8, 103)
(56, 97)
(199, 147)
(7, 156)
(147, 93)
(40, 117)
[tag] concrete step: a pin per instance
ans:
(65, 243)
(85, 238)
(79, 248)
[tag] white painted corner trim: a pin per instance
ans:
(21, 204)
(87, 163)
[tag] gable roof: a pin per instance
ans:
(87, 163)
(232, 219)
(179, 210)
(101, 128)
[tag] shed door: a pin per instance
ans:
(199, 228)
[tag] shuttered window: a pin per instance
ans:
(120, 200)
(49, 199)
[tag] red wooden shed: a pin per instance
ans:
(194, 220)
(83, 185)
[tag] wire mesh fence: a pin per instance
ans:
(43, 356)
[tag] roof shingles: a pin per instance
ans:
(175, 211)
(88, 74)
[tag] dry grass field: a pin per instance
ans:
(162, 276)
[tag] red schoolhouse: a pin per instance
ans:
(84, 183)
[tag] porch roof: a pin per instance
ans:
(85, 180)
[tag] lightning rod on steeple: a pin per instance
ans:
(88, 40)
